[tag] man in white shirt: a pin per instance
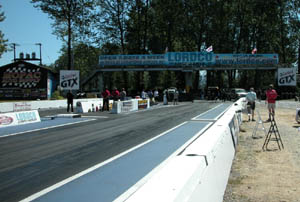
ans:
(156, 94)
(251, 97)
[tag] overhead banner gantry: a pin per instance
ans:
(197, 60)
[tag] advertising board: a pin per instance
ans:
(142, 104)
(287, 77)
(16, 118)
(127, 60)
(246, 59)
(188, 59)
(23, 81)
(69, 79)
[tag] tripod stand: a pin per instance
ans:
(273, 130)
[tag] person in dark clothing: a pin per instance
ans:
(70, 98)
(105, 95)
(123, 94)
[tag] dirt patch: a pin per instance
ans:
(266, 176)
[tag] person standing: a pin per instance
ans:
(156, 94)
(259, 94)
(143, 94)
(123, 94)
(70, 98)
(105, 95)
(175, 98)
(251, 97)
(150, 95)
(271, 95)
(115, 94)
(165, 97)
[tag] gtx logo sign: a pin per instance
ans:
(286, 77)
(69, 79)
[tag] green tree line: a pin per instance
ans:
(93, 27)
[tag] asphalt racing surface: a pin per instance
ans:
(35, 157)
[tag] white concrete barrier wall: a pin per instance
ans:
(43, 104)
(201, 172)
(6, 107)
(89, 106)
(212, 184)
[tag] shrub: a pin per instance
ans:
(56, 96)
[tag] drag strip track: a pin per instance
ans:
(32, 161)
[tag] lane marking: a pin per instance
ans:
(216, 118)
(39, 129)
(99, 117)
(74, 177)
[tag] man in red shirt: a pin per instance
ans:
(271, 99)
(105, 95)
(116, 94)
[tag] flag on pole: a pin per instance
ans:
(254, 51)
(167, 49)
(209, 49)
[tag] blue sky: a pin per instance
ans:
(26, 26)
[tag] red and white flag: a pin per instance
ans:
(209, 49)
(254, 51)
(167, 49)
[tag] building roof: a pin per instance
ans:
(28, 64)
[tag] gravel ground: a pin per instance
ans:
(272, 175)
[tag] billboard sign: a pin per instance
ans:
(190, 58)
(287, 77)
(25, 76)
(135, 60)
(246, 59)
(69, 79)
(22, 80)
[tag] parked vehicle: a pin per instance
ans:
(212, 92)
(171, 92)
(237, 93)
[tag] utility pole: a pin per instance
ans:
(14, 47)
(40, 45)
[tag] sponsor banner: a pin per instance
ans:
(22, 106)
(142, 104)
(287, 76)
(17, 118)
(246, 59)
(127, 103)
(127, 60)
(190, 58)
(127, 106)
(69, 79)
